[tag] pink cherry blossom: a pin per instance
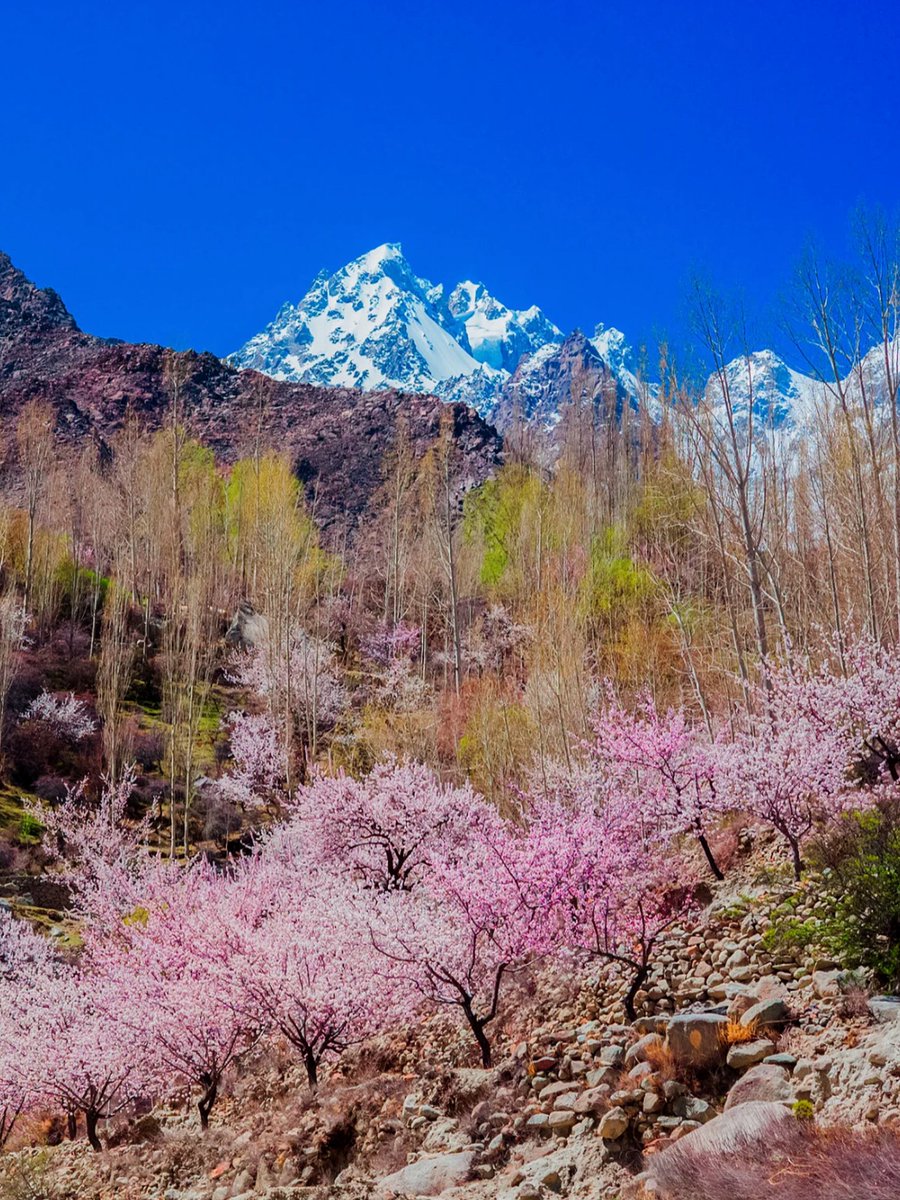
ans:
(390, 829)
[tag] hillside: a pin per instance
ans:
(336, 439)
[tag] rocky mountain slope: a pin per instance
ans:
(336, 436)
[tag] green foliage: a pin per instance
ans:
(787, 931)
(861, 875)
(495, 516)
(614, 586)
(29, 1178)
(669, 501)
(81, 580)
(803, 1110)
(30, 829)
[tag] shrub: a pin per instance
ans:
(28, 1179)
(148, 749)
(30, 828)
(52, 788)
(861, 873)
(797, 1161)
(787, 932)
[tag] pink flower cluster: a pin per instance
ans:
(381, 899)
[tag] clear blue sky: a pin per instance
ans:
(177, 171)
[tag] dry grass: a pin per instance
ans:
(736, 1034)
(798, 1162)
(663, 1063)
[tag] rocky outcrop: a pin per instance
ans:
(741, 1130)
(555, 376)
(767, 1081)
(336, 437)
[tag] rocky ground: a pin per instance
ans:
(582, 1104)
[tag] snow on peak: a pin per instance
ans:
(763, 383)
(615, 352)
(372, 324)
(375, 324)
(497, 335)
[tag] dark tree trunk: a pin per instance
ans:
(312, 1068)
(796, 860)
(477, 1027)
(713, 865)
(91, 1117)
(72, 1124)
(206, 1102)
(636, 984)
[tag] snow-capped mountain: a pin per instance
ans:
(780, 397)
(371, 325)
(375, 324)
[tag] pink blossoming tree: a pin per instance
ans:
(391, 829)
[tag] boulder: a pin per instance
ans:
(613, 1124)
(885, 1008)
(552, 1090)
(692, 1108)
(249, 629)
(639, 1050)
(782, 1059)
(748, 1054)
(766, 1081)
(826, 984)
(695, 1039)
(601, 1075)
(766, 1012)
(561, 1121)
(429, 1176)
(591, 1100)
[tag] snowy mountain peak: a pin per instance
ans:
(762, 381)
(375, 324)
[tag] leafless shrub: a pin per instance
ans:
(796, 1163)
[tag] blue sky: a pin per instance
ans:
(177, 171)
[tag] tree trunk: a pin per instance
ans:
(796, 860)
(91, 1116)
(206, 1102)
(713, 865)
(636, 984)
(312, 1068)
(72, 1124)
(477, 1027)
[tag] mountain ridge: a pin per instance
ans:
(376, 323)
(336, 438)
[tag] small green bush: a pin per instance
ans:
(803, 1110)
(861, 877)
(30, 828)
(28, 1179)
(787, 931)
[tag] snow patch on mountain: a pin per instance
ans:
(778, 396)
(497, 335)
